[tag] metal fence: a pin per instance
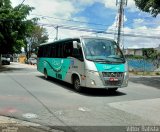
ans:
(143, 65)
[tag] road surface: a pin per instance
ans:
(26, 95)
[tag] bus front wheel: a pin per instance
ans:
(76, 84)
(45, 74)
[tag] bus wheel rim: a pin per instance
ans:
(77, 84)
(45, 74)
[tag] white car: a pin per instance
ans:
(5, 59)
(32, 61)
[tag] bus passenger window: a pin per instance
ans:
(53, 51)
(40, 52)
(68, 49)
(77, 53)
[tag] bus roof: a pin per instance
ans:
(96, 37)
(61, 40)
(67, 39)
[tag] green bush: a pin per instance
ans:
(134, 57)
(157, 73)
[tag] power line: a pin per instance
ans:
(78, 27)
(86, 23)
(138, 30)
(97, 31)
(90, 23)
(19, 6)
(86, 30)
(22, 2)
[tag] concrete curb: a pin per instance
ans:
(138, 76)
(8, 124)
(8, 120)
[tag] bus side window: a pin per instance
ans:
(60, 50)
(68, 49)
(40, 52)
(53, 51)
(44, 51)
(77, 53)
(48, 49)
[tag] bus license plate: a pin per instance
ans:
(112, 79)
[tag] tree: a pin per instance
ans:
(14, 27)
(151, 6)
(153, 55)
(36, 36)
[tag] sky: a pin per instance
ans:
(97, 15)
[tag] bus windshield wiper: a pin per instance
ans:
(119, 58)
(102, 60)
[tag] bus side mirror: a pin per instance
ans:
(75, 44)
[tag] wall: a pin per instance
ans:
(141, 65)
(138, 52)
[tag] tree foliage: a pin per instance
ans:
(151, 6)
(14, 27)
(37, 36)
(153, 55)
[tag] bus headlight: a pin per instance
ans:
(92, 76)
(93, 82)
(126, 75)
(126, 78)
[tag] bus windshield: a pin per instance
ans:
(102, 50)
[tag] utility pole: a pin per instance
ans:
(56, 32)
(121, 4)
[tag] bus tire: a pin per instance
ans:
(76, 84)
(45, 74)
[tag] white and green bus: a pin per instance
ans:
(90, 62)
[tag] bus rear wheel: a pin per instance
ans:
(45, 74)
(76, 84)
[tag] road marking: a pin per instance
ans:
(59, 112)
(29, 115)
(83, 109)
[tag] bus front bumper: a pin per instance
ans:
(97, 81)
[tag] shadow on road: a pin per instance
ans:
(10, 69)
(148, 81)
(86, 91)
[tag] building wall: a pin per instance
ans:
(129, 52)
(138, 52)
(134, 52)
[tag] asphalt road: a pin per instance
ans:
(26, 95)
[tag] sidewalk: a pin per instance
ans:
(16, 65)
(14, 125)
(22, 65)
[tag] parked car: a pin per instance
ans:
(32, 61)
(5, 59)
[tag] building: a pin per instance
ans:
(138, 52)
